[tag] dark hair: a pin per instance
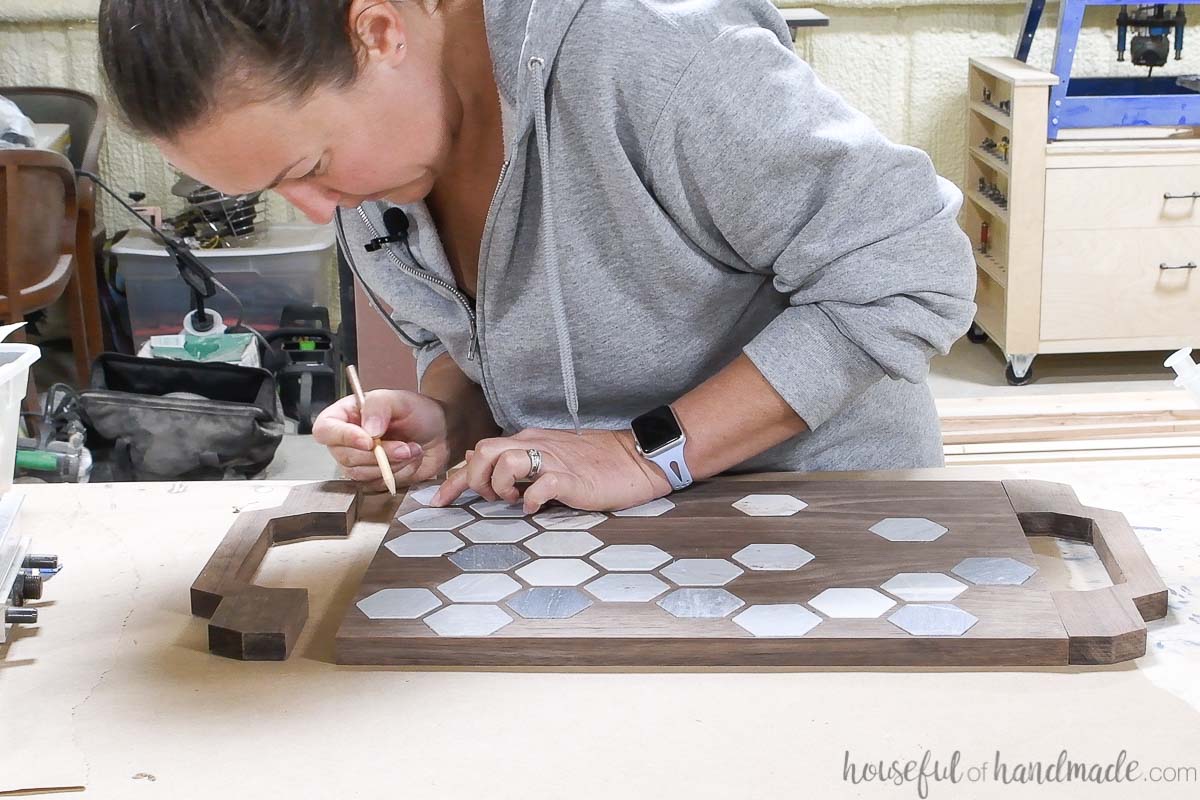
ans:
(166, 61)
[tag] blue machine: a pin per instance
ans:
(1115, 102)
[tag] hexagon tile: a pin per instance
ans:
(851, 603)
(489, 558)
(631, 557)
(398, 603)
(772, 557)
(934, 619)
(770, 505)
(549, 603)
(424, 544)
(468, 620)
(563, 543)
(907, 529)
(568, 519)
(923, 587)
(626, 587)
(701, 572)
(701, 603)
(993, 571)
(785, 619)
(435, 519)
(498, 531)
(655, 508)
(425, 494)
(556, 572)
(476, 587)
(498, 508)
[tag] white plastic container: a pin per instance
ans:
(15, 361)
(1187, 370)
(281, 268)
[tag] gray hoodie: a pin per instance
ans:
(679, 188)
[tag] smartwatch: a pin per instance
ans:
(660, 439)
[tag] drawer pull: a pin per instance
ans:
(1189, 265)
(1192, 196)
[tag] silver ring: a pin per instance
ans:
(535, 463)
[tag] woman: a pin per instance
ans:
(644, 243)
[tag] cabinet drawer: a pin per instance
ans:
(1110, 286)
(1121, 197)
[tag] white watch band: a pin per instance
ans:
(674, 467)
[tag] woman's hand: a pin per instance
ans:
(594, 471)
(413, 432)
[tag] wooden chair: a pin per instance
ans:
(88, 121)
(39, 215)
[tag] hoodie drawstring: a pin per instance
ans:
(549, 238)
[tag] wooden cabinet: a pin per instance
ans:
(1082, 245)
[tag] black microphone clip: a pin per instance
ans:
(396, 222)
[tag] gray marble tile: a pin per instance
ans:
(994, 571)
(424, 495)
(498, 531)
(907, 529)
(468, 620)
(770, 505)
(655, 508)
(399, 603)
(933, 619)
(498, 508)
(775, 557)
(701, 572)
(851, 603)
(631, 557)
(564, 543)
(479, 587)
(924, 587)
(435, 519)
(489, 558)
(626, 587)
(568, 519)
(701, 603)
(784, 619)
(424, 544)
(549, 603)
(556, 572)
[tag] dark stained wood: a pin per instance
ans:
(1031, 624)
(254, 623)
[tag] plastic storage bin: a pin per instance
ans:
(282, 267)
(15, 361)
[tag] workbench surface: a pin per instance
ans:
(115, 689)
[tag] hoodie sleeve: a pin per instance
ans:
(426, 346)
(769, 171)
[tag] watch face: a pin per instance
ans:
(656, 429)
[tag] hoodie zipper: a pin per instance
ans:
(416, 273)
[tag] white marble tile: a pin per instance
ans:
(772, 557)
(468, 620)
(549, 603)
(498, 531)
(556, 572)
(924, 587)
(701, 603)
(399, 603)
(851, 603)
(784, 619)
(631, 557)
(626, 587)
(564, 543)
(435, 519)
(908, 529)
(933, 619)
(993, 571)
(655, 508)
(499, 508)
(770, 505)
(479, 587)
(424, 495)
(424, 544)
(701, 572)
(568, 519)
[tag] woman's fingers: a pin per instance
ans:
(451, 489)
(397, 453)
(561, 486)
(337, 426)
(512, 466)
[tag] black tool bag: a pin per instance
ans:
(154, 419)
